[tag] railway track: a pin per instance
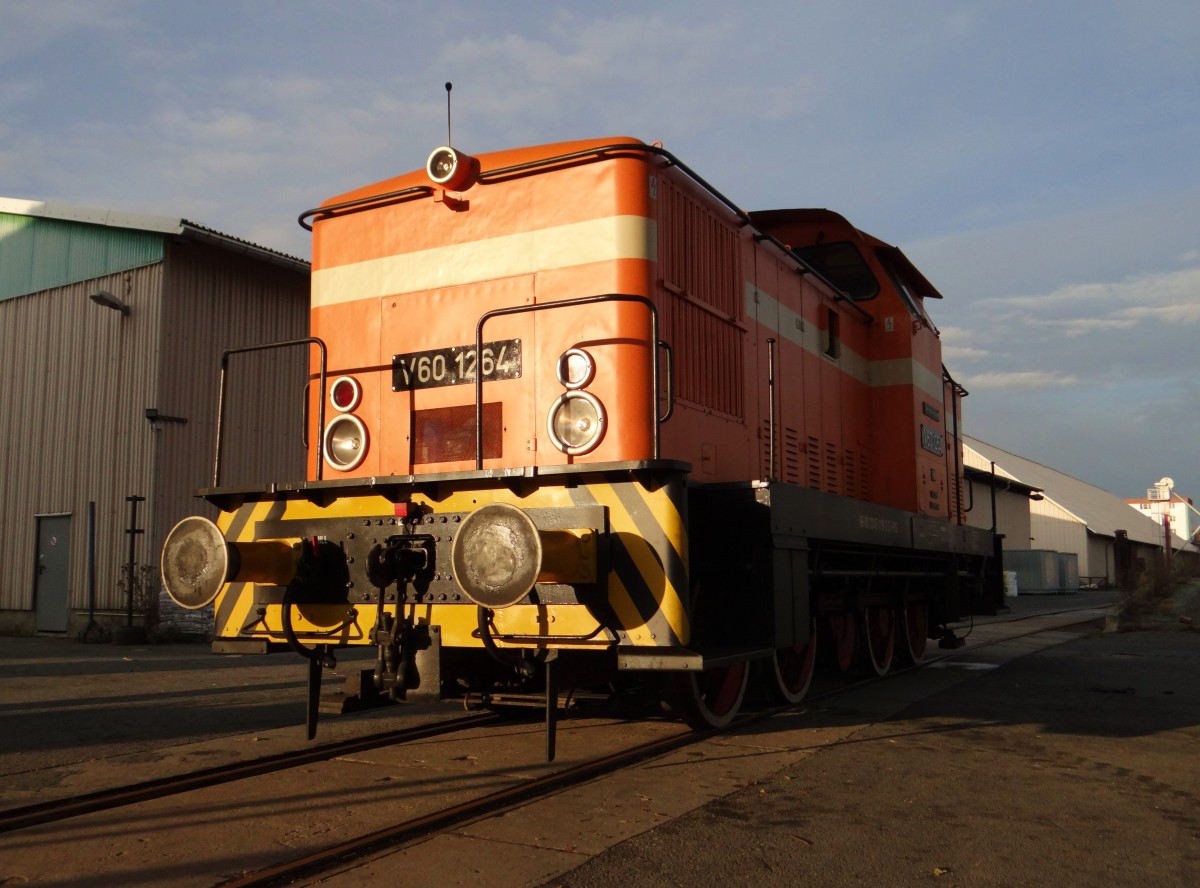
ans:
(108, 799)
(354, 851)
(378, 836)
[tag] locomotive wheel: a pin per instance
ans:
(879, 631)
(915, 630)
(711, 699)
(790, 671)
(843, 635)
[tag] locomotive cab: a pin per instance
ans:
(914, 405)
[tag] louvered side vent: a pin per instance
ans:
(792, 471)
(698, 263)
(832, 475)
(850, 475)
(814, 463)
(864, 477)
(764, 440)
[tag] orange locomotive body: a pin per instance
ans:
(577, 415)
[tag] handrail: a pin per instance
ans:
(312, 340)
(363, 203)
(771, 476)
(666, 346)
(565, 303)
(590, 154)
(957, 393)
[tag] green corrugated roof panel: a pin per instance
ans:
(37, 253)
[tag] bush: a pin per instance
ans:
(1155, 586)
(145, 584)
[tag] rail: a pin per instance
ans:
(355, 851)
(56, 810)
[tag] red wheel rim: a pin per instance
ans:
(713, 697)
(916, 629)
(881, 637)
(723, 688)
(794, 667)
(843, 631)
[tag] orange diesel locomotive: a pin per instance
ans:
(574, 414)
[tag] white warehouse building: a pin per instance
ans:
(1074, 517)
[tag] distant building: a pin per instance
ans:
(1163, 502)
(112, 327)
(999, 502)
(1104, 536)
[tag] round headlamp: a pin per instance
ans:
(576, 422)
(345, 442)
(575, 368)
(496, 555)
(195, 562)
(451, 169)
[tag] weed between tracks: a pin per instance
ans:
(1163, 597)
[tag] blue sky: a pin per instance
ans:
(1039, 161)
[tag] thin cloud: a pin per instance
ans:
(1076, 327)
(952, 353)
(1186, 313)
(1055, 203)
(30, 25)
(1020, 380)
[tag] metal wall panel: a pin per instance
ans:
(41, 254)
(214, 300)
(1012, 514)
(1100, 565)
(76, 377)
(79, 378)
(1053, 527)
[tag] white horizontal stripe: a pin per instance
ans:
(876, 374)
(579, 243)
(906, 371)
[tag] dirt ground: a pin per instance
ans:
(1066, 761)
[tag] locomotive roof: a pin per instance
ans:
(407, 183)
(819, 218)
(488, 161)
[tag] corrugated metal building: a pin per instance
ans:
(1072, 516)
(112, 327)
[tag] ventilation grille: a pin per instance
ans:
(792, 470)
(698, 252)
(814, 463)
(698, 264)
(833, 477)
(856, 474)
(817, 465)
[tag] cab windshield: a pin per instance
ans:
(843, 266)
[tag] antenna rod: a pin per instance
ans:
(449, 86)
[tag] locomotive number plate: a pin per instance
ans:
(456, 365)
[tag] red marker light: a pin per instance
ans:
(345, 393)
